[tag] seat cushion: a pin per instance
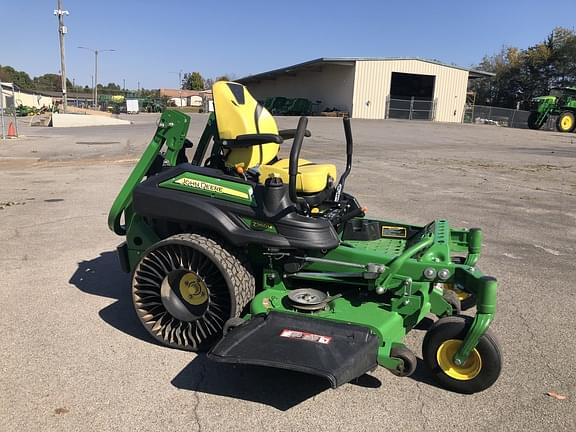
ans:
(312, 178)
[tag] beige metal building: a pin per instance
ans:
(12, 96)
(372, 88)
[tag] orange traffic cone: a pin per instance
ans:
(11, 131)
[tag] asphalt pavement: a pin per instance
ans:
(74, 356)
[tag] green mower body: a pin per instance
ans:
(258, 273)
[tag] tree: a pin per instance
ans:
(209, 82)
(193, 81)
(49, 82)
(224, 77)
(524, 74)
(21, 79)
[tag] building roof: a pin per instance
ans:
(350, 61)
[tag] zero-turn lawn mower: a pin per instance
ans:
(267, 261)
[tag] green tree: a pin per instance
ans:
(193, 81)
(524, 74)
(21, 79)
(563, 45)
(49, 82)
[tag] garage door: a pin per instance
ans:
(411, 97)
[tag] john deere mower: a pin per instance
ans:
(267, 261)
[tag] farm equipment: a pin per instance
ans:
(288, 107)
(151, 105)
(268, 261)
(560, 102)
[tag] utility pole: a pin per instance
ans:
(96, 80)
(62, 30)
(179, 84)
(96, 51)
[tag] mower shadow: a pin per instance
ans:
(278, 388)
(103, 277)
(422, 375)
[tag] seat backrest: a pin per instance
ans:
(238, 113)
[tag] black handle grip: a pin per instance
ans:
(291, 133)
(349, 150)
(348, 133)
(249, 140)
(294, 155)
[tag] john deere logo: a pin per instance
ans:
(260, 226)
(211, 187)
(193, 289)
(200, 185)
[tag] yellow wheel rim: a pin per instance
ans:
(461, 295)
(566, 123)
(445, 357)
(193, 289)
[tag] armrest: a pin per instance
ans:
(291, 133)
(248, 140)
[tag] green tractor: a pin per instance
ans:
(560, 102)
(267, 261)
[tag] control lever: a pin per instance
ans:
(349, 152)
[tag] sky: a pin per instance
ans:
(154, 40)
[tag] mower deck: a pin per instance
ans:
(336, 351)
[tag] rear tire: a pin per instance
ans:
(566, 122)
(186, 287)
(481, 369)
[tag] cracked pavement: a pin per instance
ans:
(74, 356)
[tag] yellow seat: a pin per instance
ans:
(312, 178)
(238, 113)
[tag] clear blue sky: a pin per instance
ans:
(154, 38)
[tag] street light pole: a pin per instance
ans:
(96, 79)
(179, 84)
(62, 30)
(96, 51)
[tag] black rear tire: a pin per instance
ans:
(186, 287)
(449, 332)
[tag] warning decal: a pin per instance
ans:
(310, 337)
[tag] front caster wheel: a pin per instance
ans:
(466, 299)
(186, 287)
(481, 369)
(453, 300)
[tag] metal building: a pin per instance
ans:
(372, 88)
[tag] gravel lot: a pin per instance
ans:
(74, 356)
